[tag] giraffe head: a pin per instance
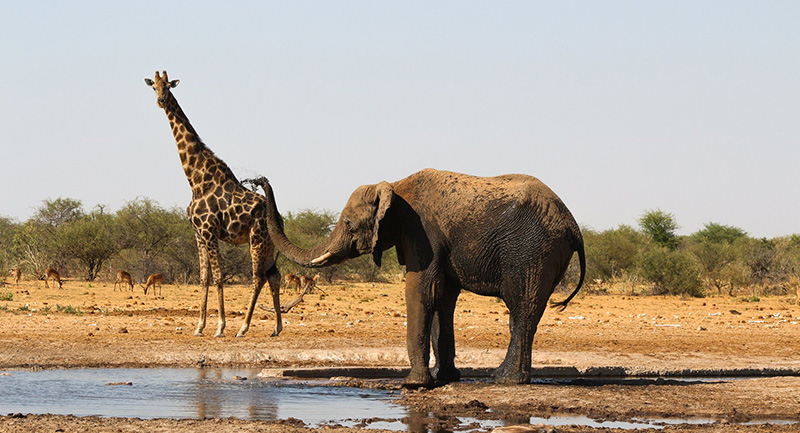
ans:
(161, 85)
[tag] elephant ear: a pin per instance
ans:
(384, 194)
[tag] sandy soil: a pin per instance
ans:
(91, 325)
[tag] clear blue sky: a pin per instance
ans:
(619, 106)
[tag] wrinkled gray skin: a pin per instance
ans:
(508, 236)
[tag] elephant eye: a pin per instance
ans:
(349, 225)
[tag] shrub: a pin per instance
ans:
(69, 309)
(6, 296)
(672, 272)
(612, 252)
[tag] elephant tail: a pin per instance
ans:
(582, 259)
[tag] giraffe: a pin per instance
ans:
(221, 210)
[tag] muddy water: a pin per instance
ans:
(187, 393)
(218, 393)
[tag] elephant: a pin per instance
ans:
(508, 236)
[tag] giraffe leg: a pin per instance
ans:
(274, 278)
(216, 271)
(259, 276)
(204, 280)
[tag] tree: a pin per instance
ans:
(148, 231)
(181, 255)
(32, 247)
(8, 258)
(46, 227)
(717, 249)
(759, 254)
(719, 233)
(55, 213)
(236, 263)
(714, 259)
(91, 240)
(673, 272)
(660, 226)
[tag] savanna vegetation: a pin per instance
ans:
(717, 259)
(143, 237)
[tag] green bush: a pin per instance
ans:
(69, 309)
(672, 272)
(612, 252)
(6, 296)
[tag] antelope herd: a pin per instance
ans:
(122, 281)
(154, 281)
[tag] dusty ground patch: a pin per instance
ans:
(364, 325)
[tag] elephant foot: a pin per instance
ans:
(421, 379)
(447, 375)
(505, 376)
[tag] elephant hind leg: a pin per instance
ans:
(524, 319)
(516, 367)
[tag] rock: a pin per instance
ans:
(119, 384)
(123, 330)
(476, 404)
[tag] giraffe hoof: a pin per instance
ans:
(219, 335)
(239, 334)
(198, 333)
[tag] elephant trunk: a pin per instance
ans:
(318, 256)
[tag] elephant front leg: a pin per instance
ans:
(418, 332)
(443, 339)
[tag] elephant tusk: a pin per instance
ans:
(321, 258)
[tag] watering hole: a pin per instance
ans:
(188, 393)
(200, 393)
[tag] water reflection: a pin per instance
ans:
(186, 393)
(212, 387)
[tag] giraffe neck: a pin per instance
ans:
(204, 170)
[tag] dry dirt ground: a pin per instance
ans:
(345, 325)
